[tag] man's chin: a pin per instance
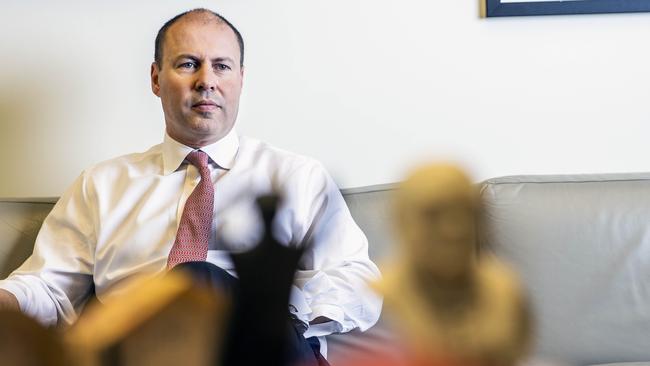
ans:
(205, 135)
(204, 125)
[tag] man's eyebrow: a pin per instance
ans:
(223, 59)
(187, 56)
(198, 59)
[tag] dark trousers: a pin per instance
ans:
(300, 351)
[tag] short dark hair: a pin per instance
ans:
(160, 37)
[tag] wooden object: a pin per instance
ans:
(24, 342)
(162, 321)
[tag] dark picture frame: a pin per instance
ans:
(504, 8)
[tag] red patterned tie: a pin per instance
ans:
(191, 243)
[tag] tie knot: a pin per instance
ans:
(198, 158)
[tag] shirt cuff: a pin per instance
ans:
(332, 312)
(322, 329)
(15, 290)
(26, 293)
(298, 305)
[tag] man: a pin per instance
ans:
(120, 217)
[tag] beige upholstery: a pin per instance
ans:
(20, 221)
(582, 246)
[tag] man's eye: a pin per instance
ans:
(187, 65)
(222, 67)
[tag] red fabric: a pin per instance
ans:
(395, 354)
(191, 243)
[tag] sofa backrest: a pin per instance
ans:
(581, 244)
(371, 208)
(20, 220)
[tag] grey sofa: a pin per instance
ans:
(581, 244)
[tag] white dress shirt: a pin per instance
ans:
(119, 219)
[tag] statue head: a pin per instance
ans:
(436, 212)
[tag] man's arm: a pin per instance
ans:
(335, 268)
(53, 283)
(8, 301)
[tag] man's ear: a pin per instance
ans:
(155, 84)
(242, 76)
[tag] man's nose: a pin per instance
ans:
(206, 79)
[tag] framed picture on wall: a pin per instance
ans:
(504, 8)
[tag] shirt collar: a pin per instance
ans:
(222, 152)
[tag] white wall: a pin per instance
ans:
(368, 87)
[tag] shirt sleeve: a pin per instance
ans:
(55, 282)
(335, 269)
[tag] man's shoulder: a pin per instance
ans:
(285, 169)
(254, 150)
(139, 163)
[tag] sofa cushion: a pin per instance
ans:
(582, 246)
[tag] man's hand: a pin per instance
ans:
(8, 301)
(320, 320)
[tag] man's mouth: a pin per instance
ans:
(205, 105)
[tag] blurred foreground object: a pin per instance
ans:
(161, 321)
(452, 307)
(24, 342)
(260, 331)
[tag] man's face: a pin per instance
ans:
(199, 81)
